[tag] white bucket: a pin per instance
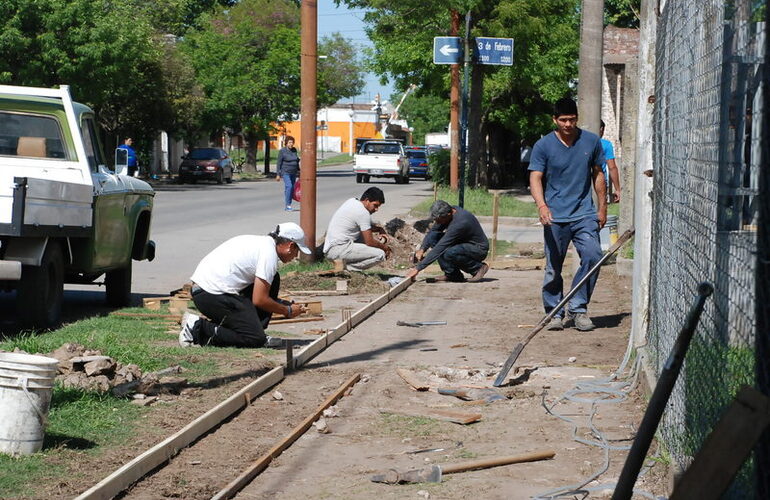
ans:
(26, 385)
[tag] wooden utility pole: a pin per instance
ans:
(454, 111)
(308, 111)
(590, 65)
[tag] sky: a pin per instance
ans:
(349, 23)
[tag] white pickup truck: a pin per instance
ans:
(381, 158)
(65, 216)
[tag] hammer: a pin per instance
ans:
(433, 473)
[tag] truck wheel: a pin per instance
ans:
(359, 178)
(405, 179)
(118, 284)
(41, 290)
(366, 178)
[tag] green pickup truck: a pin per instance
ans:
(65, 215)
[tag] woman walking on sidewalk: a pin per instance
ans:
(288, 170)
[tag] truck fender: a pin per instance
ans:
(29, 251)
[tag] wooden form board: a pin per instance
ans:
(122, 478)
(261, 464)
(726, 448)
(314, 349)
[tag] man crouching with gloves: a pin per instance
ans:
(236, 288)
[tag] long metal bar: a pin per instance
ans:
(520, 346)
(625, 487)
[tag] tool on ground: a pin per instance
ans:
(433, 474)
(659, 399)
(418, 324)
(487, 395)
(543, 322)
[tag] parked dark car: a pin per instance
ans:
(418, 161)
(206, 163)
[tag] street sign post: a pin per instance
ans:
(496, 51)
(447, 50)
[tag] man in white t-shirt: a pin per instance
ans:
(350, 236)
(236, 288)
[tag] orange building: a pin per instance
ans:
(337, 128)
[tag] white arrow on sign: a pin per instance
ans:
(448, 49)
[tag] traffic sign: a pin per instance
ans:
(447, 50)
(497, 51)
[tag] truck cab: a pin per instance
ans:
(381, 158)
(65, 215)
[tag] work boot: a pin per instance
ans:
(185, 335)
(555, 324)
(583, 322)
(449, 278)
(479, 274)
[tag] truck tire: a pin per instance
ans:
(41, 290)
(359, 178)
(367, 177)
(118, 285)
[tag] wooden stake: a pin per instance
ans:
(495, 214)
(253, 471)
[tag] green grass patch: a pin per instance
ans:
(407, 426)
(336, 159)
(298, 266)
(479, 202)
(18, 476)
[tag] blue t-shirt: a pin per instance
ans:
(609, 154)
(567, 174)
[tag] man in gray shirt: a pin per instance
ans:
(350, 236)
(457, 241)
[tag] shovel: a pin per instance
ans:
(433, 473)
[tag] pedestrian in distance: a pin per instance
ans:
(564, 165)
(133, 164)
(287, 169)
(610, 168)
(457, 241)
(236, 287)
(351, 236)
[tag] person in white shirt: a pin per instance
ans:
(236, 288)
(350, 236)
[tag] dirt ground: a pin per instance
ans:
(375, 429)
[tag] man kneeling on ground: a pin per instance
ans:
(457, 241)
(236, 288)
(350, 236)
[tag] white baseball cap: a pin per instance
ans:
(292, 231)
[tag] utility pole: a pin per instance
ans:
(308, 111)
(590, 65)
(464, 111)
(454, 111)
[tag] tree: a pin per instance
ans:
(425, 114)
(247, 59)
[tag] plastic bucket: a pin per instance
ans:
(26, 385)
(612, 227)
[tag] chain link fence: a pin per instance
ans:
(708, 122)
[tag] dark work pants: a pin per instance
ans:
(466, 257)
(233, 320)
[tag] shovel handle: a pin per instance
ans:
(495, 462)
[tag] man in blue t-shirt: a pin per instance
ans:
(563, 166)
(610, 168)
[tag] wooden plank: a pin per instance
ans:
(122, 478)
(455, 417)
(410, 379)
(298, 319)
(317, 293)
(726, 448)
(261, 464)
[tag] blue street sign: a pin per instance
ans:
(497, 51)
(447, 50)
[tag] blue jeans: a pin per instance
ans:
(584, 234)
(466, 257)
(288, 187)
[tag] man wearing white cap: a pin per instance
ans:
(236, 288)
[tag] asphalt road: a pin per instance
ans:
(188, 221)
